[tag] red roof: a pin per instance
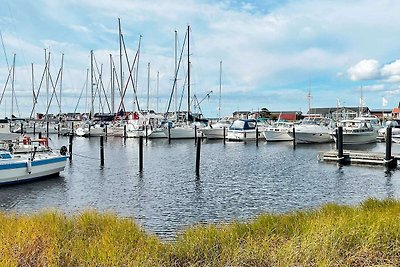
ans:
(396, 110)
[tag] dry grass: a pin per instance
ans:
(368, 235)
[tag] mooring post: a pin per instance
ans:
(224, 135)
(101, 150)
(198, 148)
(169, 133)
(47, 129)
(146, 133)
(40, 135)
(58, 129)
(140, 153)
(195, 134)
(34, 128)
(336, 136)
(72, 129)
(70, 146)
(89, 129)
(105, 130)
(256, 136)
(22, 128)
(339, 141)
(294, 137)
(389, 160)
(124, 130)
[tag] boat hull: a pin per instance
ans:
(181, 133)
(22, 171)
(359, 138)
(276, 136)
(214, 133)
(310, 138)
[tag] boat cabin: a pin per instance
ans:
(243, 124)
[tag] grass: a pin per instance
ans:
(333, 235)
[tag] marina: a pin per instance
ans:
(237, 181)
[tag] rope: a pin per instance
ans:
(86, 157)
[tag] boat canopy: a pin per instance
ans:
(241, 124)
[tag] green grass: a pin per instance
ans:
(333, 235)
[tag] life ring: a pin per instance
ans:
(26, 140)
(43, 142)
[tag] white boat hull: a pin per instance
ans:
(310, 138)
(272, 136)
(214, 133)
(243, 135)
(17, 171)
(359, 138)
(157, 133)
(180, 133)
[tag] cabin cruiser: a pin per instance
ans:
(243, 130)
(357, 131)
(278, 131)
(313, 130)
(217, 130)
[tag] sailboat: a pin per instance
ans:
(183, 130)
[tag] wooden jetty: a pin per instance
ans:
(359, 157)
(344, 157)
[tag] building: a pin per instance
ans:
(286, 115)
(381, 113)
(338, 113)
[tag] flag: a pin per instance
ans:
(384, 102)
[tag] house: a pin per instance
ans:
(381, 113)
(286, 115)
(338, 113)
(241, 114)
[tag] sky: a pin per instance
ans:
(272, 52)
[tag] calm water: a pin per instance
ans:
(237, 181)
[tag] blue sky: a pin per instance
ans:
(272, 51)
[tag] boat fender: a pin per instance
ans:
(29, 166)
(63, 150)
(26, 140)
(43, 142)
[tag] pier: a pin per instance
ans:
(359, 157)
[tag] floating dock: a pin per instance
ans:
(359, 157)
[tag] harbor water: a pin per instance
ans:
(237, 181)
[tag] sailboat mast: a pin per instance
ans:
(61, 77)
(137, 68)
(309, 97)
(12, 88)
(120, 57)
(220, 87)
(91, 85)
(148, 85)
(175, 75)
(33, 88)
(158, 87)
(112, 86)
(188, 62)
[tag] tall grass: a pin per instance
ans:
(333, 235)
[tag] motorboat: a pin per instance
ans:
(243, 130)
(217, 130)
(357, 131)
(313, 130)
(278, 131)
(17, 168)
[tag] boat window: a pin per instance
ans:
(5, 156)
(237, 125)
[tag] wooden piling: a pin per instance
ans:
(389, 159)
(101, 150)
(72, 129)
(58, 129)
(140, 153)
(339, 141)
(34, 128)
(198, 148)
(169, 133)
(195, 134)
(224, 135)
(70, 146)
(89, 129)
(146, 133)
(124, 130)
(257, 136)
(294, 137)
(22, 128)
(40, 135)
(105, 130)
(47, 129)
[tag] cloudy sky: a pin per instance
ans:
(272, 51)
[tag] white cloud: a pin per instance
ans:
(391, 72)
(366, 69)
(79, 28)
(374, 88)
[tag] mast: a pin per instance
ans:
(61, 77)
(188, 63)
(137, 66)
(13, 89)
(120, 55)
(148, 85)
(175, 75)
(309, 97)
(33, 88)
(112, 86)
(91, 85)
(158, 87)
(220, 86)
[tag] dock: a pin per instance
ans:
(359, 157)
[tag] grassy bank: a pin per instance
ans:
(330, 236)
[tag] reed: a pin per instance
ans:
(332, 235)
